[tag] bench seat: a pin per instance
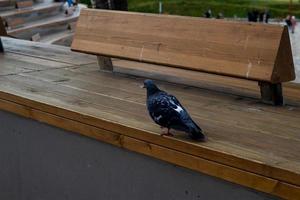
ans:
(249, 143)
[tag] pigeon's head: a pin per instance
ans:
(150, 86)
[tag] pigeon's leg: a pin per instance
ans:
(167, 134)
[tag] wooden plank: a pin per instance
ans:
(12, 64)
(98, 81)
(78, 80)
(16, 18)
(41, 6)
(229, 85)
(54, 23)
(90, 96)
(64, 41)
(247, 179)
(14, 23)
(63, 38)
(242, 50)
(49, 94)
(24, 3)
(6, 3)
(44, 51)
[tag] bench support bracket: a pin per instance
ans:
(105, 63)
(1, 46)
(271, 93)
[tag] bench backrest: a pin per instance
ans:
(238, 49)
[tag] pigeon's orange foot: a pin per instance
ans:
(167, 134)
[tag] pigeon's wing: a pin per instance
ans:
(175, 100)
(166, 110)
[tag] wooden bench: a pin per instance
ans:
(249, 51)
(249, 144)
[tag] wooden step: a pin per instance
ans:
(7, 5)
(4, 3)
(45, 26)
(15, 18)
(24, 3)
(63, 38)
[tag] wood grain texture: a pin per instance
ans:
(55, 21)
(217, 113)
(24, 3)
(224, 84)
(47, 52)
(249, 143)
(18, 17)
(244, 50)
(284, 65)
(14, 64)
(251, 180)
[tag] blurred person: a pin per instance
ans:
(208, 13)
(261, 16)
(220, 15)
(267, 16)
(293, 23)
(288, 21)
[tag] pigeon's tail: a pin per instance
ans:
(195, 132)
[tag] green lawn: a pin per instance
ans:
(230, 8)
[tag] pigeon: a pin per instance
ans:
(166, 111)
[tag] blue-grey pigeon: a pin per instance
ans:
(167, 112)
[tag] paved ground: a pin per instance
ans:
(295, 40)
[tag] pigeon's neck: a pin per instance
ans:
(153, 90)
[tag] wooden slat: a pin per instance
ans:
(44, 51)
(63, 38)
(52, 24)
(13, 64)
(88, 94)
(230, 85)
(18, 17)
(24, 3)
(237, 49)
(6, 3)
(77, 77)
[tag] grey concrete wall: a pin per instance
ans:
(41, 162)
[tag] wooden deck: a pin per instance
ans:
(251, 144)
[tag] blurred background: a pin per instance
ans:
(229, 8)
